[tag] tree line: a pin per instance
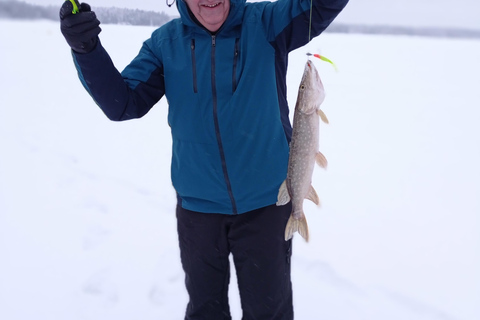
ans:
(14, 9)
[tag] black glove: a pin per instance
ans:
(81, 29)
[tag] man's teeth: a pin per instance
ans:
(211, 5)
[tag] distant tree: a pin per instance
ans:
(14, 9)
(21, 10)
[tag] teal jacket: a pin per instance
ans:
(226, 93)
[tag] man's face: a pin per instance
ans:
(210, 13)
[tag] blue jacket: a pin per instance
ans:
(226, 92)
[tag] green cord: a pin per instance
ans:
(75, 6)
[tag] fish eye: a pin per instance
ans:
(302, 87)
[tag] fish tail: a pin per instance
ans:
(296, 225)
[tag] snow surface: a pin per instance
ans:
(87, 224)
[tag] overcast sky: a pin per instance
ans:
(427, 13)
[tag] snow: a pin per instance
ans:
(87, 223)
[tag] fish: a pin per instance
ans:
(304, 151)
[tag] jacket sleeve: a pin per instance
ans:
(288, 21)
(122, 96)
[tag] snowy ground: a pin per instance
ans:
(87, 226)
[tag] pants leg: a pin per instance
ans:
(204, 254)
(262, 261)
(261, 257)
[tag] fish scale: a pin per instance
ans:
(303, 151)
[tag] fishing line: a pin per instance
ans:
(310, 22)
(323, 58)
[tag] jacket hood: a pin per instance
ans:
(234, 17)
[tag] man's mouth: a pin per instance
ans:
(213, 5)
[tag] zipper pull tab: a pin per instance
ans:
(213, 41)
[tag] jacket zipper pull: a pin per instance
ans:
(213, 41)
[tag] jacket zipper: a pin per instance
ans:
(194, 66)
(217, 131)
(235, 59)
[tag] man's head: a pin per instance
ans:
(210, 13)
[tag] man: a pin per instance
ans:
(222, 66)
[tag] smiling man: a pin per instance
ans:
(222, 66)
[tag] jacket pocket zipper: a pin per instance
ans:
(235, 59)
(194, 66)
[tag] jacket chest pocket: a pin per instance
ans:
(233, 62)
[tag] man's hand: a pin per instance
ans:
(80, 29)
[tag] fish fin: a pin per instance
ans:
(322, 116)
(313, 196)
(283, 197)
(296, 225)
(321, 160)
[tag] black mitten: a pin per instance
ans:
(80, 29)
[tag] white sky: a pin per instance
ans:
(429, 13)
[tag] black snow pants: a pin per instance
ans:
(260, 254)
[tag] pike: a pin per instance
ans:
(303, 151)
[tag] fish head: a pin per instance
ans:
(311, 92)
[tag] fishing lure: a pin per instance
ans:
(323, 59)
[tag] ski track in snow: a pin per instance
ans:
(87, 223)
